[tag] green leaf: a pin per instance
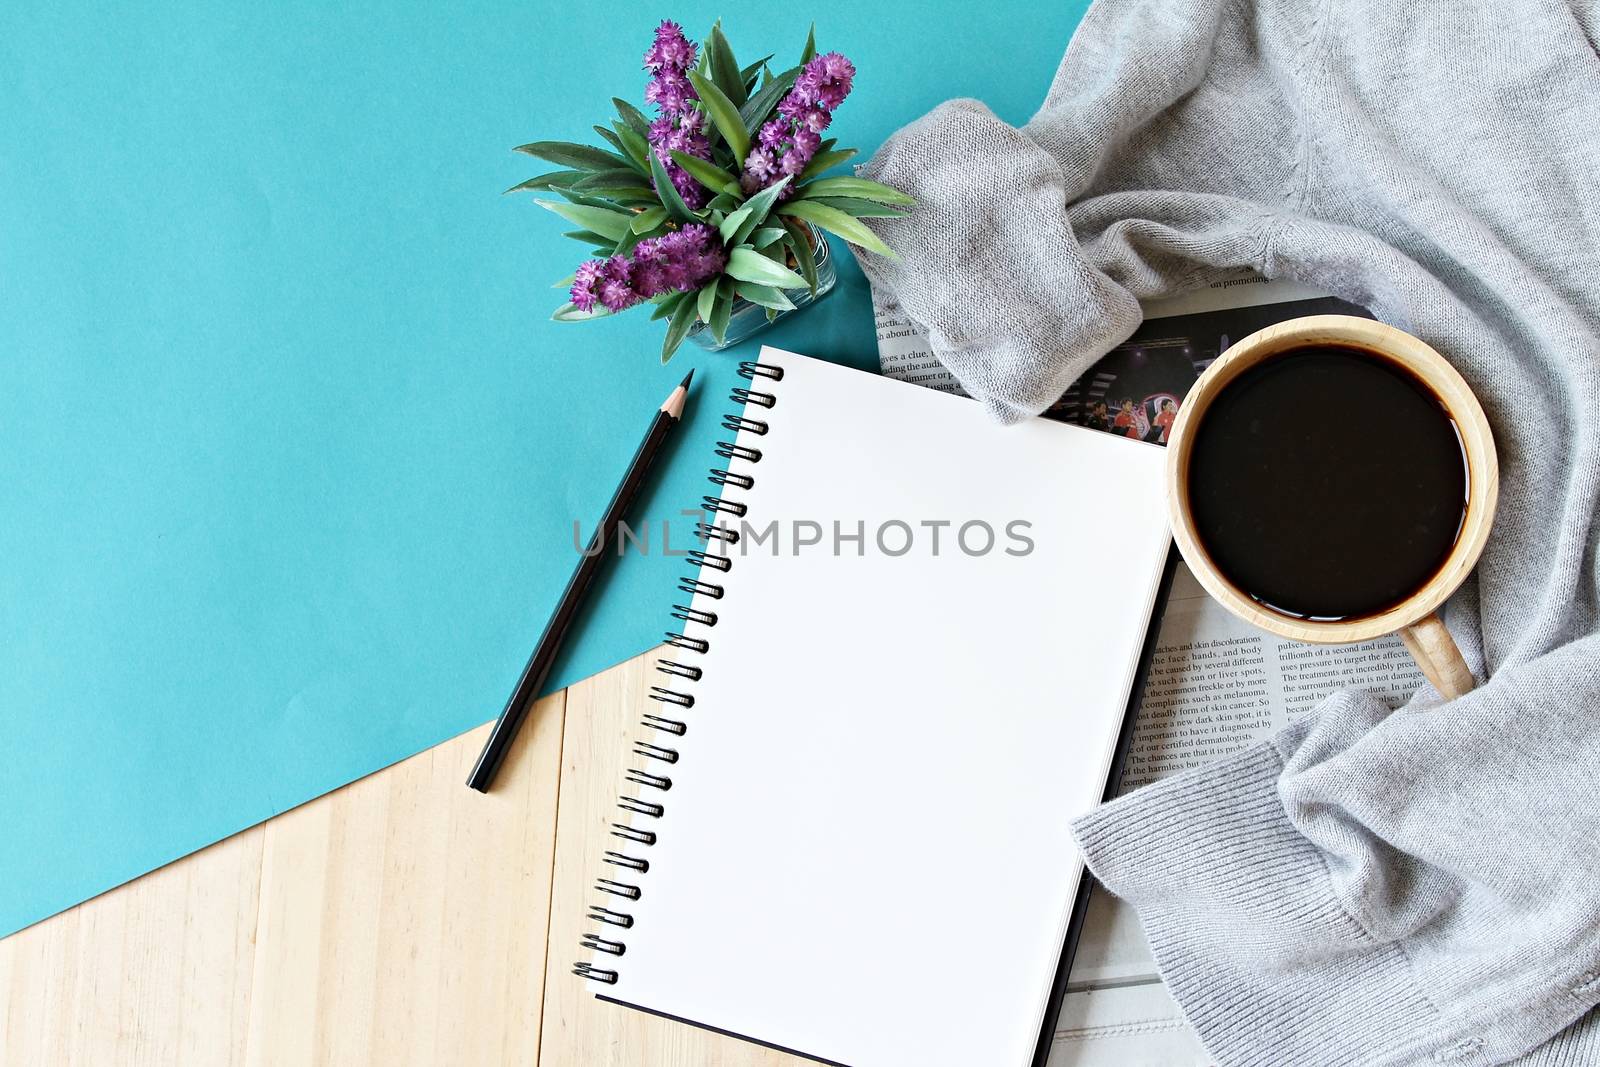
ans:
(704, 302)
(810, 52)
(724, 68)
(837, 222)
(722, 311)
(588, 237)
(648, 219)
(575, 156)
(753, 69)
(569, 312)
(668, 192)
(678, 328)
(724, 116)
(723, 202)
(635, 146)
(861, 188)
(766, 235)
(615, 178)
(707, 173)
(825, 160)
(630, 194)
(766, 77)
(556, 179)
(799, 243)
(589, 200)
(608, 136)
(759, 106)
(632, 116)
(746, 228)
(731, 224)
(861, 209)
(565, 283)
(748, 265)
(666, 305)
(759, 206)
(609, 224)
(625, 246)
(764, 295)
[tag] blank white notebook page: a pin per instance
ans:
(863, 855)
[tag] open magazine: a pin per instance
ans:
(1216, 683)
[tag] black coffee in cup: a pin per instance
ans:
(1327, 482)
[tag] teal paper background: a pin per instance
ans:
(290, 452)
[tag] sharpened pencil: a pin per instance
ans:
(598, 551)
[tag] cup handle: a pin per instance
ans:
(1435, 651)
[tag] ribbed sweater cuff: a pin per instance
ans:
(1242, 917)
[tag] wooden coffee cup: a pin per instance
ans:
(1416, 617)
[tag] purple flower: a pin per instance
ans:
(691, 192)
(670, 90)
(831, 96)
(617, 296)
(836, 66)
(679, 126)
(708, 265)
(583, 284)
(616, 284)
(791, 140)
(648, 251)
(675, 274)
(760, 165)
(674, 262)
(773, 134)
(685, 258)
(816, 120)
(671, 49)
(806, 143)
(683, 140)
(826, 80)
(648, 278)
(667, 59)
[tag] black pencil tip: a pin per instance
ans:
(685, 383)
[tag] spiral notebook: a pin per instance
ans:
(905, 665)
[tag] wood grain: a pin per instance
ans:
(1435, 651)
(156, 972)
(399, 920)
(403, 919)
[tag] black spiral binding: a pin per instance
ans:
(713, 537)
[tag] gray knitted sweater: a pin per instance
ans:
(1421, 887)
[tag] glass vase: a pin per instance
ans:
(748, 319)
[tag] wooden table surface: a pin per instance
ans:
(402, 919)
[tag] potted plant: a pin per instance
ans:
(712, 212)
